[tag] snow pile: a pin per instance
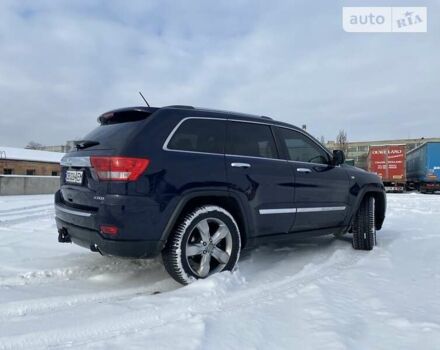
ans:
(318, 293)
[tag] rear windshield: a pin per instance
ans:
(113, 136)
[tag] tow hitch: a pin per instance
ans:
(63, 236)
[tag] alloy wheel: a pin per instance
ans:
(209, 247)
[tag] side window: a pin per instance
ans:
(248, 139)
(199, 135)
(300, 148)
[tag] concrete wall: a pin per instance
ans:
(19, 185)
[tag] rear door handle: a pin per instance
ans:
(240, 165)
(303, 170)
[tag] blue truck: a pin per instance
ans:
(423, 167)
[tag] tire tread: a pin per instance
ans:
(364, 232)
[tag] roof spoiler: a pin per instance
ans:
(124, 115)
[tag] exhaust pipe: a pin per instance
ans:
(63, 236)
(94, 248)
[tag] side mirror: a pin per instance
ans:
(338, 157)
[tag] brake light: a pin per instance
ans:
(119, 168)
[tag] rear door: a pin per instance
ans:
(259, 177)
(321, 189)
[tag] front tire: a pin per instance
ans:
(206, 241)
(364, 226)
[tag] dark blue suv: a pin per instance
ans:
(198, 185)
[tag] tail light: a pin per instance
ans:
(119, 168)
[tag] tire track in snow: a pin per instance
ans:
(25, 213)
(20, 209)
(33, 307)
(151, 317)
(10, 217)
(83, 271)
(22, 220)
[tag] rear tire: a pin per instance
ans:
(205, 241)
(364, 229)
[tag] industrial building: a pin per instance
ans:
(69, 146)
(19, 161)
(358, 151)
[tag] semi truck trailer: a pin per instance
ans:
(423, 167)
(388, 161)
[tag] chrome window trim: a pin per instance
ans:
(314, 164)
(69, 161)
(168, 139)
(73, 212)
(195, 152)
(254, 157)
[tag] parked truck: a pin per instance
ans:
(388, 161)
(423, 167)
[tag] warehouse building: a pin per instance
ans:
(69, 146)
(358, 151)
(19, 161)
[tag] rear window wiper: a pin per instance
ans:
(85, 144)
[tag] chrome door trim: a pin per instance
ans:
(300, 210)
(277, 211)
(320, 209)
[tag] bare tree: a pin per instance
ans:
(342, 141)
(34, 145)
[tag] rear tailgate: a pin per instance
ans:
(82, 193)
(80, 186)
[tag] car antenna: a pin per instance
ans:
(140, 93)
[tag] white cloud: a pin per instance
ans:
(63, 63)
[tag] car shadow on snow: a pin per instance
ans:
(292, 256)
(282, 258)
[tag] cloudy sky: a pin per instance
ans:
(62, 63)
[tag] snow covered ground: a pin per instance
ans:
(315, 294)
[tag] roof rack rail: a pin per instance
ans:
(266, 117)
(180, 106)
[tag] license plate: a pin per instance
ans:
(74, 176)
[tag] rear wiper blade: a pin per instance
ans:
(85, 144)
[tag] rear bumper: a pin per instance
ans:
(93, 240)
(138, 235)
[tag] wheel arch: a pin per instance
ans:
(380, 204)
(225, 200)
